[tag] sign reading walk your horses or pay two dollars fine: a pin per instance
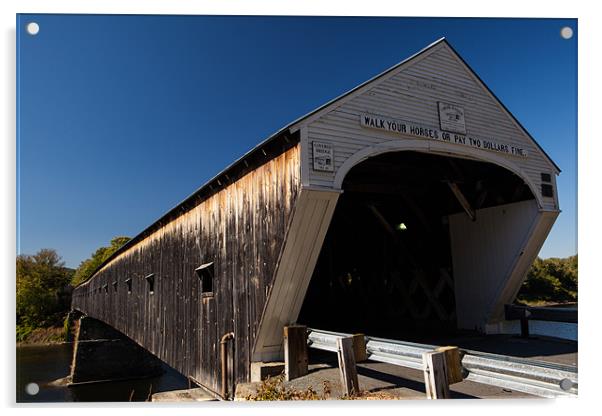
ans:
(413, 129)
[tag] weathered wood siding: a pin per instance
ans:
(411, 93)
(241, 228)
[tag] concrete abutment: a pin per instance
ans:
(102, 353)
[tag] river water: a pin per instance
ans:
(550, 329)
(44, 364)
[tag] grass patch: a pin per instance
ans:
(52, 335)
(370, 395)
(273, 389)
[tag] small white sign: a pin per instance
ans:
(323, 155)
(451, 118)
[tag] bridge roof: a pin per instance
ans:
(274, 145)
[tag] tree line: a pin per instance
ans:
(44, 286)
(552, 280)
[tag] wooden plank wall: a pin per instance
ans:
(241, 228)
(482, 264)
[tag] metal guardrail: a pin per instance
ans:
(514, 312)
(528, 313)
(534, 377)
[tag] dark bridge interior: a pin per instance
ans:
(385, 268)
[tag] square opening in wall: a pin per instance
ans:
(150, 279)
(547, 190)
(205, 272)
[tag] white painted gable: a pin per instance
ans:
(410, 93)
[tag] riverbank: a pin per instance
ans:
(546, 304)
(45, 368)
(44, 336)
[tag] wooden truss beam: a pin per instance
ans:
(462, 200)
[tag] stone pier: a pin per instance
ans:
(102, 353)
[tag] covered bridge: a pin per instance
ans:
(415, 200)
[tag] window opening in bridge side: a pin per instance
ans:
(106, 288)
(115, 286)
(205, 272)
(547, 190)
(128, 282)
(150, 279)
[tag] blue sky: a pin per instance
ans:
(122, 117)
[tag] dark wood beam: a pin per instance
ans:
(462, 200)
(382, 220)
(481, 199)
(457, 171)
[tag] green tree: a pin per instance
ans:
(42, 282)
(551, 280)
(88, 266)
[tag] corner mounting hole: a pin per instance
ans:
(32, 389)
(566, 32)
(33, 28)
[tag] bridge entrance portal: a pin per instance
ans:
(386, 267)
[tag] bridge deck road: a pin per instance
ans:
(387, 381)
